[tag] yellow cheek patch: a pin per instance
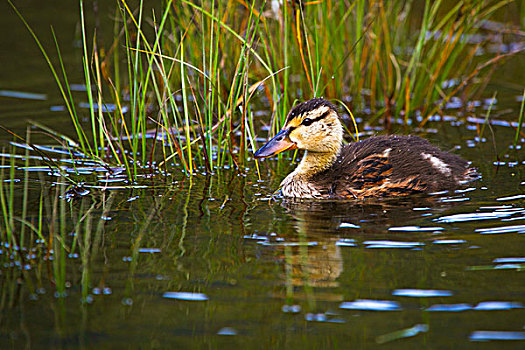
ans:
(293, 135)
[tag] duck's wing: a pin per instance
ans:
(373, 176)
(394, 166)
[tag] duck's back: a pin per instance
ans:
(390, 166)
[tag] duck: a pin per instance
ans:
(376, 167)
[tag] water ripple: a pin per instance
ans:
(496, 335)
(509, 260)
(294, 309)
(185, 296)
(23, 95)
(472, 217)
(322, 317)
(498, 305)
(511, 198)
(392, 244)
(449, 307)
(370, 305)
(421, 293)
(415, 229)
(504, 229)
(227, 331)
(449, 241)
(346, 242)
(288, 244)
(404, 333)
(348, 225)
(149, 250)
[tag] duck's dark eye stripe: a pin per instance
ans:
(324, 115)
(308, 121)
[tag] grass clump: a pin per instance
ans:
(177, 84)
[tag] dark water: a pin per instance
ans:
(216, 262)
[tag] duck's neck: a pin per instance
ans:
(297, 184)
(314, 163)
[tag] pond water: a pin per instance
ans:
(217, 262)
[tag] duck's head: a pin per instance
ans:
(313, 126)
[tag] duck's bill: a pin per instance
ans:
(278, 144)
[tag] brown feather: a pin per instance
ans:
(385, 166)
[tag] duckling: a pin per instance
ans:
(380, 166)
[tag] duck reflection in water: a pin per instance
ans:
(309, 245)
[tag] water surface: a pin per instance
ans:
(217, 262)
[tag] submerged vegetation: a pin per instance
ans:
(177, 86)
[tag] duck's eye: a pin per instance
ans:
(307, 122)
